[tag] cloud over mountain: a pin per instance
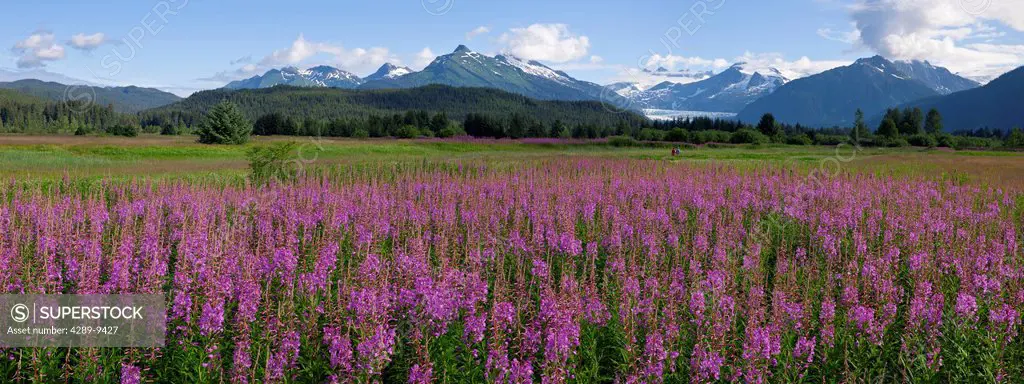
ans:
(952, 33)
(37, 49)
(546, 42)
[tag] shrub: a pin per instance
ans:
(801, 139)
(962, 142)
(271, 162)
(169, 130)
(923, 140)
(407, 132)
(360, 133)
(648, 134)
(885, 141)
(1015, 139)
(704, 137)
(748, 136)
(447, 132)
(224, 124)
(123, 130)
(622, 141)
(946, 140)
(677, 135)
(831, 139)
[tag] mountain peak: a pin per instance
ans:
(389, 71)
(876, 60)
(462, 48)
(324, 68)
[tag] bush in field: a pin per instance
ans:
(272, 162)
(224, 124)
(677, 135)
(648, 134)
(622, 141)
(966, 142)
(169, 130)
(704, 137)
(891, 142)
(407, 132)
(125, 130)
(748, 136)
(923, 140)
(1015, 139)
(801, 139)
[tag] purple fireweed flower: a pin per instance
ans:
(212, 318)
(475, 327)
(706, 364)
(130, 374)
(339, 349)
(804, 349)
(1005, 319)
(759, 351)
(374, 353)
(966, 306)
(421, 374)
(242, 361)
(520, 372)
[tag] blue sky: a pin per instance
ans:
(185, 45)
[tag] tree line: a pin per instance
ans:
(21, 113)
(476, 112)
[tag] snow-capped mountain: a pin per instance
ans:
(626, 89)
(319, 76)
(466, 68)
(831, 97)
(728, 91)
(388, 71)
(937, 78)
(681, 76)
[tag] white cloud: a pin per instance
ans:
(942, 31)
(357, 60)
(596, 59)
(546, 42)
(848, 37)
(37, 49)
(795, 69)
(672, 62)
(88, 42)
(481, 30)
(424, 58)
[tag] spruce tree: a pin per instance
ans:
(888, 129)
(224, 124)
(933, 123)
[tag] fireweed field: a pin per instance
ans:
(565, 270)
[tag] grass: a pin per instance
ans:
(51, 157)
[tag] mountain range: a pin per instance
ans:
(871, 84)
(728, 91)
(747, 91)
(461, 68)
(129, 99)
(466, 68)
(825, 99)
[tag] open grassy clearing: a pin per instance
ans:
(50, 157)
